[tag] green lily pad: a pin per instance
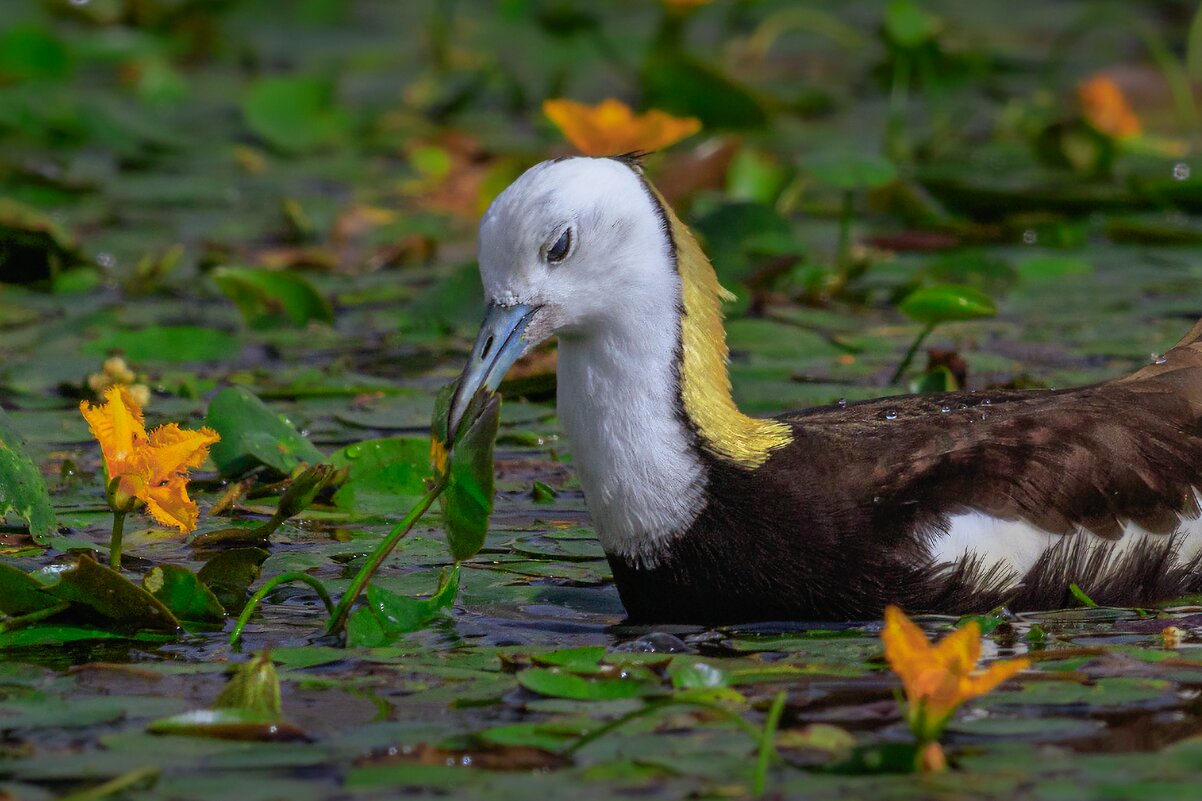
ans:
(230, 573)
(269, 298)
(386, 475)
(295, 114)
(165, 343)
(253, 435)
(561, 684)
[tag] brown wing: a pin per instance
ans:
(1095, 457)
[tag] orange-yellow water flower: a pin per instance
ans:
(611, 127)
(151, 468)
(938, 678)
(1106, 108)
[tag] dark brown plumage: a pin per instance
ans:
(838, 524)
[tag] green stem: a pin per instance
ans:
(909, 357)
(768, 744)
(274, 582)
(899, 96)
(843, 253)
(21, 621)
(340, 614)
(650, 709)
(113, 786)
(115, 540)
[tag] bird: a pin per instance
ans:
(950, 503)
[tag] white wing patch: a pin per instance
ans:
(1018, 545)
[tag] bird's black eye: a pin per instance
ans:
(559, 251)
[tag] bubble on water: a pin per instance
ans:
(1030, 237)
(1180, 171)
(106, 260)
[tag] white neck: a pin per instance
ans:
(619, 406)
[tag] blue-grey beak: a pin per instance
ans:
(498, 345)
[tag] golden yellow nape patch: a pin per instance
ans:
(705, 382)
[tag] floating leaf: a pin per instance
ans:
(182, 591)
(294, 114)
(20, 593)
(269, 298)
(388, 615)
(22, 488)
(230, 573)
(909, 25)
(851, 171)
(109, 594)
(559, 684)
(253, 435)
(165, 343)
(947, 303)
(228, 724)
(386, 475)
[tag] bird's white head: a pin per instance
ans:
(575, 247)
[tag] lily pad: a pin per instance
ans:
(253, 435)
(22, 489)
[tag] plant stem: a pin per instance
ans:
(843, 253)
(340, 614)
(899, 95)
(768, 744)
(271, 584)
(651, 709)
(909, 357)
(113, 786)
(115, 540)
(21, 621)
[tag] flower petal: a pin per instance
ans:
(997, 673)
(170, 505)
(612, 127)
(174, 450)
(118, 426)
(960, 650)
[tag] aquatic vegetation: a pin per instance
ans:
(938, 678)
(142, 469)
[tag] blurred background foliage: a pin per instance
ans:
(280, 163)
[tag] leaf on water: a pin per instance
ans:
(230, 573)
(228, 724)
(387, 615)
(22, 488)
(182, 591)
(468, 497)
(294, 114)
(20, 593)
(106, 592)
(947, 303)
(386, 475)
(253, 435)
(560, 684)
(166, 343)
(270, 298)
(850, 172)
(690, 673)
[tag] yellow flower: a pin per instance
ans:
(115, 371)
(1106, 108)
(151, 468)
(611, 127)
(937, 679)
